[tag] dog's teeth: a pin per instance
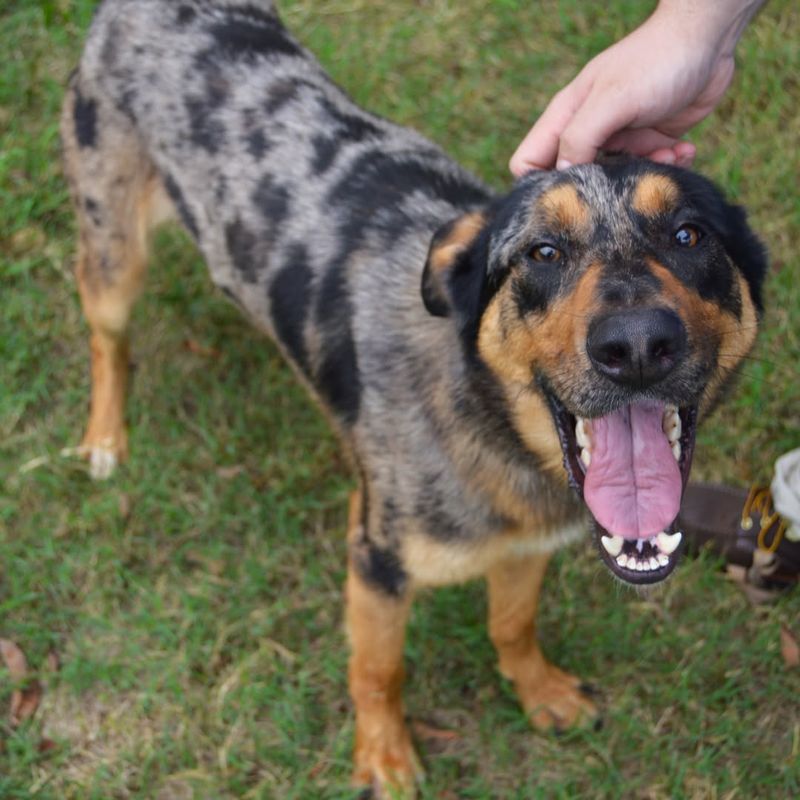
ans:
(613, 544)
(640, 545)
(586, 457)
(583, 433)
(653, 563)
(676, 450)
(640, 566)
(671, 425)
(662, 559)
(622, 560)
(668, 543)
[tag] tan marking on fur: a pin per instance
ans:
(563, 207)
(736, 339)
(429, 562)
(654, 195)
(554, 342)
(376, 623)
(459, 238)
(714, 332)
(551, 697)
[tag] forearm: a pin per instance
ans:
(717, 24)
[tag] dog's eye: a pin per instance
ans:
(687, 236)
(546, 253)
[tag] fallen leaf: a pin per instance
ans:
(46, 745)
(790, 650)
(201, 350)
(24, 700)
(14, 659)
(226, 473)
(425, 731)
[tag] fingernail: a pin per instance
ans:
(562, 163)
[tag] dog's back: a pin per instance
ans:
(289, 189)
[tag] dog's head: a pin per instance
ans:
(621, 297)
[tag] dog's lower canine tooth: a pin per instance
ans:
(613, 544)
(582, 433)
(668, 543)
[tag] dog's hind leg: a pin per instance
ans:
(552, 698)
(376, 621)
(118, 197)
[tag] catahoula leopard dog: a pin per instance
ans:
(502, 370)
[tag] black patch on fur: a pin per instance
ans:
(186, 14)
(243, 247)
(179, 201)
(384, 180)
(381, 568)
(338, 375)
(257, 144)
(272, 200)
(85, 116)
(290, 297)
(429, 507)
(248, 33)
(342, 128)
(93, 210)
(206, 132)
(325, 150)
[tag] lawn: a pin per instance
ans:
(193, 603)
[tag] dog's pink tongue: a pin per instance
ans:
(633, 483)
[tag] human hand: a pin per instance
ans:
(643, 93)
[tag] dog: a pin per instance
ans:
(501, 370)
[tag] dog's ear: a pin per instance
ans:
(455, 271)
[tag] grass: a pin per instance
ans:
(194, 600)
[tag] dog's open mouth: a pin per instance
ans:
(630, 468)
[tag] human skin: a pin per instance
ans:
(643, 93)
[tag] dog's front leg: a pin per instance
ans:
(384, 757)
(551, 697)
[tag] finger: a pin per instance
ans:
(604, 112)
(539, 148)
(640, 141)
(666, 155)
(685, 153)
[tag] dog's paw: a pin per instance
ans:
(555, 700)
(102, 463)
(102, 453)
(389, 766)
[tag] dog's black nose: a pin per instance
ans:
(636, 348)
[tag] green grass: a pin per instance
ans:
(196, 608)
